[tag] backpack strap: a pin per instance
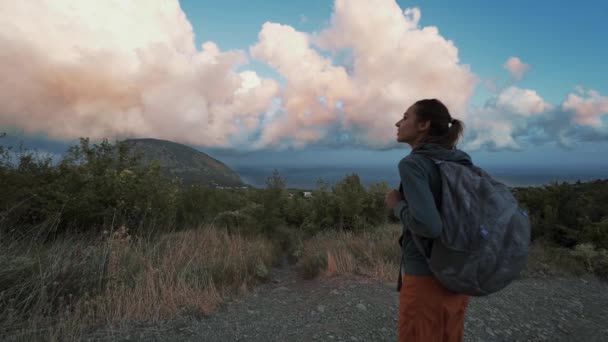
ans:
(399, 278)
(421, 248)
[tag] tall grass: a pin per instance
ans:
(547, 260)
(374, 253)
(59, 291)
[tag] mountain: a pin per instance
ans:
(186, 163)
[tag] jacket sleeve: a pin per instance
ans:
(418, 211)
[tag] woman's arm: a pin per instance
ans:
(418, 210)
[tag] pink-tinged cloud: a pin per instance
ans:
(524, 102)
(309, 76)
(589, 107)
(516, 67)
(114, 69)
(392, 63)
(491, 128)
(118, 69)
(496, 124)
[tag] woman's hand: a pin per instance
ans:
(391, 199)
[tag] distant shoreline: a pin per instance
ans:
(306, 177)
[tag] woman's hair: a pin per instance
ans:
(444, 130)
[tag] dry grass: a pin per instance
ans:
(58, 292)
(548, 260)
(374, 253)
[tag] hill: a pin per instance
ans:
(190, 165)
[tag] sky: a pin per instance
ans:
(309, 82)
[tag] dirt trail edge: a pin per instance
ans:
(351, 308)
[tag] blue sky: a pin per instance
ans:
(561, 45)
(564, 43)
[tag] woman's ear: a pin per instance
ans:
(424, 126)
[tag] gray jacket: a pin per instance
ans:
(421, 184)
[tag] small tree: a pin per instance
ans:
(374, 209)
(325, 209)
(274, 199)
(351, 195)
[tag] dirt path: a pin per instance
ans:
(357, 309)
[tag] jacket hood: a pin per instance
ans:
(439, 152)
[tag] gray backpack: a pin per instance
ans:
(485, 238)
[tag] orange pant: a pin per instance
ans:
(428, 312)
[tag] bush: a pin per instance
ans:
(94, 187)
(568, 214)
(59, 290)
(39, 281)
(595, 260)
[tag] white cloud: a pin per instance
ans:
(309, 77)
(492, 129)
(113, 69)
(394, 63)
(517, 116)
(516, 67)
(498, 123)
(524, 102)
(589, 109)
(116, 69)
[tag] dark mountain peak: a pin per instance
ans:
(185, 162)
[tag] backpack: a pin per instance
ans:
(485, 239)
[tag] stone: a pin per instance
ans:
(261, 271)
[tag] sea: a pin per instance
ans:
(305, 177)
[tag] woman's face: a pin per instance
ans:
(409, 130)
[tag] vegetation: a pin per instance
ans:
(189, 165)
(568, 214)
(100, 238)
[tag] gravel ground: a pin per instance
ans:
(350, 308)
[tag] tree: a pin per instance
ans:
(274, 199)
(351, 196)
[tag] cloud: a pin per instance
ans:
(499, 123)
(589, 110)
(115, 69)
(392, 63)
(516, 67)
(524, 102)
(309, 76)
(519, 117)
(112, 69)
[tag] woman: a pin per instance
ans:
(427, 311)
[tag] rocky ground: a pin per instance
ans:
(350, 308)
